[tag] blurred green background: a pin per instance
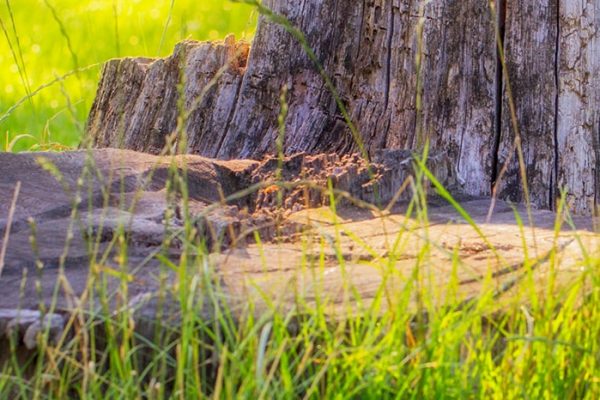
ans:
(42, 40)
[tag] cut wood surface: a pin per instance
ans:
(348, 263)
(374, 56)
(345, 260)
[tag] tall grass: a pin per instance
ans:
(545, 345)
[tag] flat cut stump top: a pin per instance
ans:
(360, 256)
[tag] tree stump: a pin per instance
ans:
(456, 95)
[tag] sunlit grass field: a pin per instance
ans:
(43, 40)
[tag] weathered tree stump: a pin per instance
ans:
(369, 50)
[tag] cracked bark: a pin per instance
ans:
(529, 48)
(579, 102)
(500, 17)
(369, 51)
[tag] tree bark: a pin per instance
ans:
(578, 113)
(405, 71)
(530, 37)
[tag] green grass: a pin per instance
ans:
(55, 37)
(543, 346)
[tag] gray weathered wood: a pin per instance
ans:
(578, 128)
(373, 69)
(459, 87)
(369, 49)
(136, 107)
(530, 53)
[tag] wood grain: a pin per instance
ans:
(455, 94)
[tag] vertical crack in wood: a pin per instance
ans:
(500, 35)
(357, 58)
(230, 117)
(553, 192)
(360, 29)
(419, 143)
(388, 71)
(411, 139)
(596, 144)
(302, 14)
